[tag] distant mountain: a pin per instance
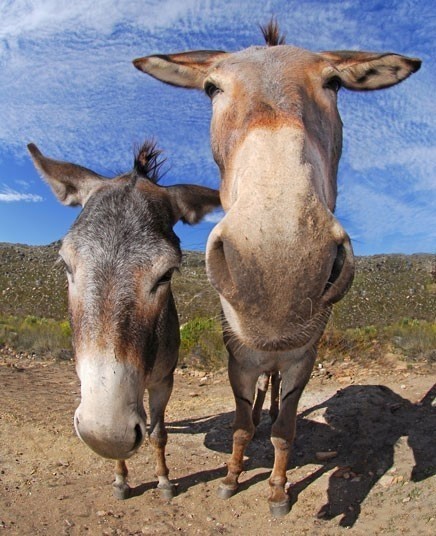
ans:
(386, 287)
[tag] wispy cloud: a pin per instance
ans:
(385, 223)
(8, 195)
(214, 217)
(70, 87)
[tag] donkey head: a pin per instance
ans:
(279, 258)
(119, 256)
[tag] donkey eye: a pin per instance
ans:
(211, 89)
(334, 84)
(67, 267)
(166, 278)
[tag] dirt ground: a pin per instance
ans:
(381, 422)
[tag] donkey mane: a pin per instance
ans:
(148, 161)
(271, 34)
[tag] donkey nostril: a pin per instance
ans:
(138, 436)
(337, 267)
(217, 267)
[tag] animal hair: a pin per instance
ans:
(271, 34)
(148, 161)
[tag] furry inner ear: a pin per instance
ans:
(71, 184)
(366, 71)
(191, 203)
(185, 69)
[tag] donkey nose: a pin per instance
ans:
(117, 440)
(342, 272)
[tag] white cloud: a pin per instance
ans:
(70, 87)
(45, 18)
(214, 217)
(371, 216)
(8, 195)
(24, 184)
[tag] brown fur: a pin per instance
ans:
(148, 161)
(271, 34)
(279, 259)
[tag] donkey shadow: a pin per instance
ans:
(362, 423)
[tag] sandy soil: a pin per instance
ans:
(381, 421)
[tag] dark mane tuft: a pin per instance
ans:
(271, 34)
(148, 161)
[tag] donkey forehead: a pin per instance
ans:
(285, 61)
(124, 221)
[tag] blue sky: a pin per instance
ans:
(67, 84)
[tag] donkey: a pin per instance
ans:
(279, 259)
(120, 255)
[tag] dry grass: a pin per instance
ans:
(39, 336)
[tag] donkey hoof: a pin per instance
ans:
(121, 492)
(280, 509)
(167, 492)
(225, 492)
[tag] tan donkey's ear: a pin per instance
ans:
(191, 203)
(186, 69)
(72, 185)
(364, 71)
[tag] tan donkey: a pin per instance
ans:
(279, 259)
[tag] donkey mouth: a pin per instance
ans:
(111, 444)
(296, 335)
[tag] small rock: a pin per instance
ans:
(324, 456)
(342, 472)
(344, 379)
(386, 481)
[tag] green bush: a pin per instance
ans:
(411, 337)
(201, 344)
(415, 338)
(202, 347)
(41, 336)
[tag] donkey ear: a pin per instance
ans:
(72, 185)
(370, 70)
(190, 203)
(186, 69)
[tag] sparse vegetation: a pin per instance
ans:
(38, 336)
(409, 338)
(390, 308)
(202, 345)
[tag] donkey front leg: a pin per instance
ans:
(294, 379)
(158, 400)
(121, 489)
(243, 382)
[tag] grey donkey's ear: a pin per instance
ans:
(72, 185)
(191, 203)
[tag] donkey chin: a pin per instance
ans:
(264, 337)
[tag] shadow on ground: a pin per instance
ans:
(361, 422)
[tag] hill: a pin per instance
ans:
(386, 289)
